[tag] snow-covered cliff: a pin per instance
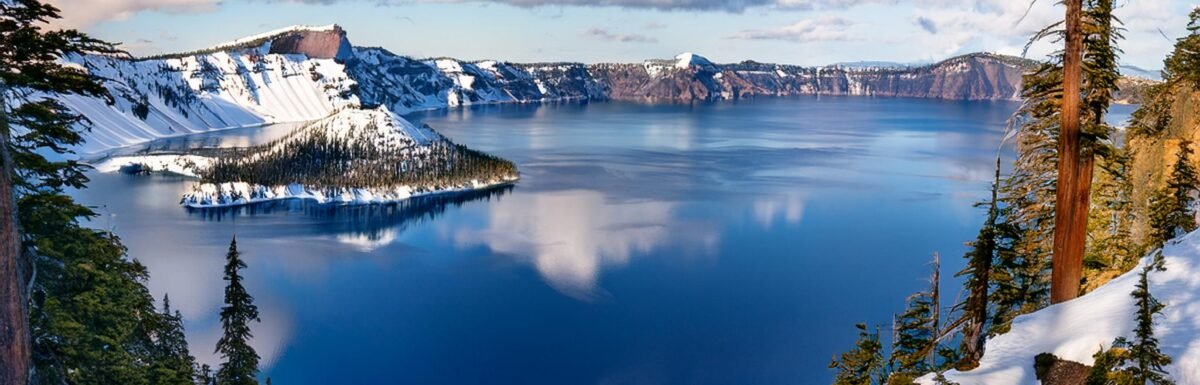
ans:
(303, 73)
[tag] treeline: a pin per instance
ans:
(364, 157)
(1008, 267)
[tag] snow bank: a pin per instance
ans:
(186, 165)
(210, 195)
(1077, 329)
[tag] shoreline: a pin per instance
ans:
(361, 196)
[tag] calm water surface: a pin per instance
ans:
(727, 243)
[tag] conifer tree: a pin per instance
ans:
(205, 376)
(1172, 210)
(989, 247)
(1138, 361)
(864, 364)
(1184, 62)
(1147, 361)
(173, 363)
(241, 361)
(914, 344)
(1112, 247)
(32, 126)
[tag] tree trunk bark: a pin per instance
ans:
(1074, 182)
(15, 358)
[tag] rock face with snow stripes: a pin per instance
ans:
(303, 73)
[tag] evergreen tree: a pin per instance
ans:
(31, 126)
(1172, 210)
(1146, 360)
(993, 245)
(173, 363)
(864, 364)
(1112, 249)
(241, 361)
(205, 376)
(915, 336)
(1183, 64)
(1136, 362)
(90, 319)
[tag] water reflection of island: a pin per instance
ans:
(366, 226)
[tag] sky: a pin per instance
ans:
(803, 32)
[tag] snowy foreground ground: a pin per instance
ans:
(1077, 329)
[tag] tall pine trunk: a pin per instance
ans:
(14, 321)
(1074, 181)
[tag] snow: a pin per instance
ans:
(688, 60)
(1077, 329)
(209, 195)
(186, 165)
(204, 93)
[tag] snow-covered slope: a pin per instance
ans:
(1077, 329)
(224, 89)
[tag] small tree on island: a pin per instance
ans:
(241, 361)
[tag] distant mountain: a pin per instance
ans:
(1133, 71)
(868, 64)
(304, 73)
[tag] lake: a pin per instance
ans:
(733, 242)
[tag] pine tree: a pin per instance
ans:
(1184, 62)
(32, 126)
(1147, 361)
(1138, 361)
(241, 361)
(1172, 210)
(205, 376)
(1112, 249)
(989, 246)
(914, 346)
(864, 364)
(1027, 198)
(173, 363)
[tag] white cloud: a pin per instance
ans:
(81, 14)
(825, 28)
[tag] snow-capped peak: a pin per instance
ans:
(688, 60)
(389, 126)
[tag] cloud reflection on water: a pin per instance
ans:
(571, 236)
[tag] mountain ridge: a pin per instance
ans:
(303, 73)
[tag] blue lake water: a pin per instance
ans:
(724, 243)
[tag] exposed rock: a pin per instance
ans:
(317, 44)
(1051, 370)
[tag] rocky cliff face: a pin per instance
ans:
(328, 43)
(969, 77)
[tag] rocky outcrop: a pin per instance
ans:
(328, 43)
(1051, 370)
